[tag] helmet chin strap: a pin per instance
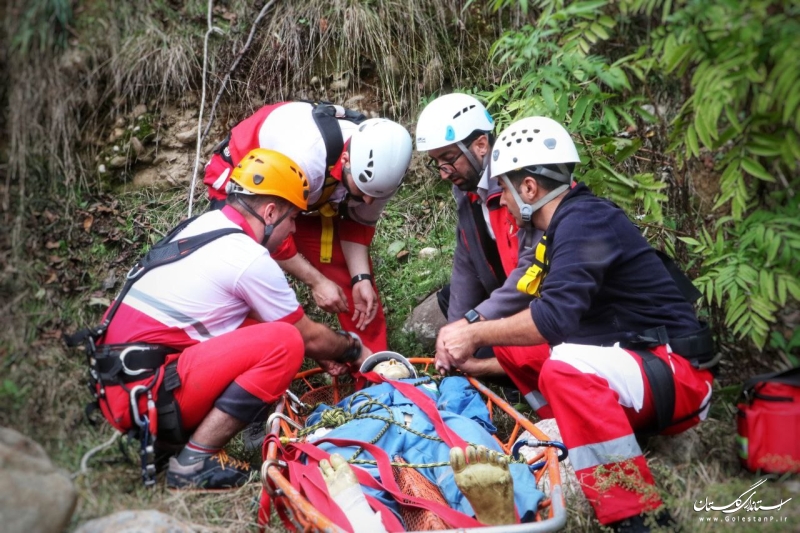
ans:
(268, 228)
(526, 211)
(471, 158)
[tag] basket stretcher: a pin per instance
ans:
(308, 388)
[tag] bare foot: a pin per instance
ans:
(484, 478)
(337, 474)
(392, 369)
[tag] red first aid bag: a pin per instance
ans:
(768, 423)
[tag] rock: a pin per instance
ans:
(118, 161)
(425, 322)
(340, 82)
(187, 137)
(137, 146)
(683, 449)
(116, 134)
(120, 122)
(432, 77)
(428, 252)
(35, 495)
(102, 169)
(139, 110)
(353, 101)
(136, 522)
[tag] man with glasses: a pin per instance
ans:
(491, 253)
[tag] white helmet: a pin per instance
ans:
(532, 143)
(380, 152)
(449, 119)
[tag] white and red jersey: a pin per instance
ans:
(289, 128)
(208, 293)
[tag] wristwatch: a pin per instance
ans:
(472, 316)
(353, 351)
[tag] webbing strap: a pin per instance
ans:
(326, 237)
(787, 377)
(164, 252)
(426, 405)
(662, 387)
(455, 518)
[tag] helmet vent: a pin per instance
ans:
(371, 163)
(529, 139)
(519, 140)
(365, 176)
(370, 154)
(257, 179)
(463, 111)
(535, 131)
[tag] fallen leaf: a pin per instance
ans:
(403, 256)
(87, 223)
(52, 244)
(100, 301)
(52, 278)
(395, 247)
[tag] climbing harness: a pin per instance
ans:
(121, 364)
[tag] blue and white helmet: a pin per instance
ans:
(449, 119)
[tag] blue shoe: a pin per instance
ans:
(216, 472)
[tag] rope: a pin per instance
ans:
(338, 416)
(85, 459)
(211, 29)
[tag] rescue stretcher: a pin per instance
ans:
(310, 388)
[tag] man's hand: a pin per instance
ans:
(329, 296)
(334, 368)
(454, 346)
(365, 302)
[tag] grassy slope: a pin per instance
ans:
(43, 392)
(79, 249)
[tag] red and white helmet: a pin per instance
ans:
(380, 152)
(449, 119)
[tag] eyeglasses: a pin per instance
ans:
(445, 168)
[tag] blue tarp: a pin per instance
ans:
(461, 408)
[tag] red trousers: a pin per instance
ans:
(240, 372)
(599, 396)
(307, 239)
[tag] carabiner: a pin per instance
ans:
(125, 368)
(141, 421)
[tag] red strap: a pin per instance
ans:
(425, 403)
(456, 519)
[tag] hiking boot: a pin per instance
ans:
(253, 437)
(645, 523)
(215, 472)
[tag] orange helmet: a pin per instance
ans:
(269, 172)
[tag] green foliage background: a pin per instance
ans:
(650, 87)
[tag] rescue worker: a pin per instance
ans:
(353, 170)
(231, 327)
(610, 347)
(491, 253)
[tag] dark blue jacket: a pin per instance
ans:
(605, 283)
